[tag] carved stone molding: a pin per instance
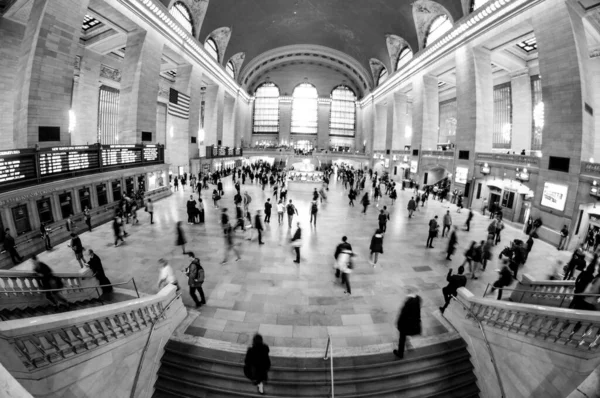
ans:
(110, 73)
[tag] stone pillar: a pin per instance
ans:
(44, 78)
(242, 131)
(369, 128)
(11, 34)
(426, 112)
(285, 121)
(213, 119)
(379, 132)
(139, 86)
(389, 134)
(474, 100)
(85, 99)
(195, 92)
(568, 128)
(228, 120)
(358, 136)
(324, 113)
(522, 110)
(595, 72)
(400, 122)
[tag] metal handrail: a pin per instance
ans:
(139, 367)
(74, 288)
(329, 350)
(541, 292)
(487, 343)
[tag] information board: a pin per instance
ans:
(121, 154)
(150, 153)
(66, 159)
(214, 151)
(15, 167)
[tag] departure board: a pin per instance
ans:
(67, 159)
(15, 166)
(121, 154)
(150, 153)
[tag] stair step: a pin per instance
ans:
(49, 309)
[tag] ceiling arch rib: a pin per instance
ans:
(395, 45)
(196, 7)
(221, 36)
(237, 60)
(376, 68)
(424, 13)
(316, 55)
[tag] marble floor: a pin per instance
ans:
(295, 305)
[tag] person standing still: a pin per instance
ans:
(95, 265)
(447, 223)
(88, 218)
(150, 210)
(314, 209)
(195, 274)
(433, 231)
(257, 363)
(297, 242)
(11, 247)
(409, 322)
(564, 232)
(45, 232)
(258, 225)
(268, 207)
(291, 210)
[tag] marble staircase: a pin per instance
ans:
(30, 312)
(438, 370)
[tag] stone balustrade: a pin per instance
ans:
(572, 329)
(545, 292)
(504, 158)
(21, 289)
(34, 343)
(444, 154)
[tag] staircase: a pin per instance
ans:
(439, 370)
(29, 312)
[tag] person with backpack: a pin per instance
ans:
(195, 274)
(291, 210)
(314, 209)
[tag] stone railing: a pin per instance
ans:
(35, 343)
(20, 289)
(517, 160)
(590, 168)
(545, 292)
(444, 154)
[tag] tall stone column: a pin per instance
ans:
(213, 119)
(44, 78)
(228, 120)
(85, 99)
(400, 122)
(474, 100)
(426, 112)
(285, 121)
(389, 134)
(522, 110)
(358, 136)
(11, 35)
(568, 129)
(369, 127)
(195, 92)
(379, 132)
(243, 131)
(324, 113)
(595, 72)
(139, 85)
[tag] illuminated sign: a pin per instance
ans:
(522, 175)
(414, 165)
(554, 196)
(485, 170)
(150, 153)
(461, 175)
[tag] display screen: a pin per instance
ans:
(121, 154)
(66, 159)
(15, 167)
(414, 165)
(215, 151)
(461, 175)
(554, 196)
(150, 153)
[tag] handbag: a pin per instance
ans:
(297, 243)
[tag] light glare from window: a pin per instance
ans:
(230, 69)
(182, 15)
(211, 47)
(266, 109)
(438, 28)
(304, 109)
(404, 58)
(343, 112)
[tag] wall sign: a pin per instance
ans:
(554, 196)
(414, 166)
(461, 175)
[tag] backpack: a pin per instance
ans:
(314, 208)
(290, 209)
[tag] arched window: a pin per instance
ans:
(383, 75)
(475, 4)
(210, 45)
(230, 69)
(438, 28)
(304, 109)
(343, 112)
(405, 56)
(266, 109)
(182, 15)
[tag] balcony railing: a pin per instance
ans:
(444, 154)
(517, 160)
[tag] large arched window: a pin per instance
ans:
(210, 45)
(383, 75)
(475, 4)
(343, 112)
(230, 69)
(182, 15)
(304, 109)
(405, 56)
(438, 28)
(266, 109)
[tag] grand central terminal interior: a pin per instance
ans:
(430, 167)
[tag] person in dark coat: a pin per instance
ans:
(95, 265)
(454, 282)
(180, 241)
(469, 218)
(409, 322)
(452, 243)
(49, 281)
(258, 225)
(582, 281)
(577, 262)
(505, 278)
(257, 363)
(195, 274)
(343, 246)
(11, 247)
(376, 247)
(297, 242)
(268, 207)
(191, 210)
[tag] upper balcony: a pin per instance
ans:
(508, 159)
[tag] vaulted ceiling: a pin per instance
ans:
(357, 28)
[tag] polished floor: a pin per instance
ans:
(295, 305)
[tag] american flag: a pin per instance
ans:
(179, 104)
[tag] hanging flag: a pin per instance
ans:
(179, 104)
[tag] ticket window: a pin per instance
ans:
(21, 219)
(66, 204)
(141, 180)
(44, 207)
(129, 186)
(116, 188)
(85, 199)
(102, 195)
